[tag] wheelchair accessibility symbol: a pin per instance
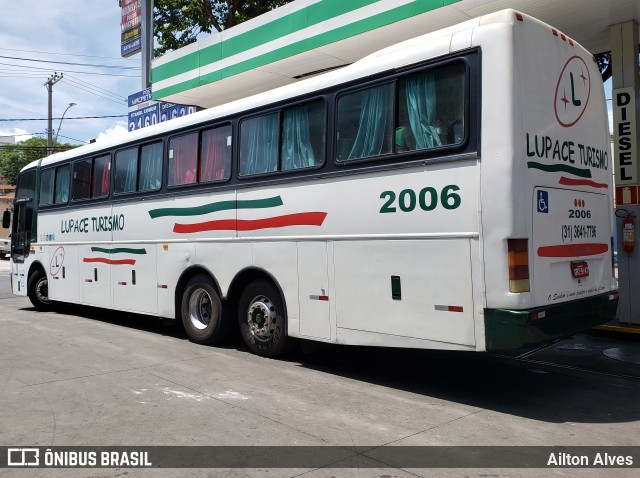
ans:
(543, 202)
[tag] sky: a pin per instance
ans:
(86, 32)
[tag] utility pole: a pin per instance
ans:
(147, 42)
(53, 79)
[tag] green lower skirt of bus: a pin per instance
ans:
(512, 329)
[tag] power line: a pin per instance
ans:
(96, 87)
(72, 63)
(120, 101)
(70, 54)
(66, 117)
(80, 72)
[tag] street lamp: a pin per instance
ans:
(55, 141)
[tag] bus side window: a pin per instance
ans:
(215, 154)
(46, 186)
(126, 177)
(63, 174)
(183, 159)
(259, 145)
(100, 185)
(431, 108)
(81, 188)
(303, 136)
(150, 167)
(365, 123)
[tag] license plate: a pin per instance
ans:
(579, 269)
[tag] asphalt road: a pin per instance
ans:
(85, 376)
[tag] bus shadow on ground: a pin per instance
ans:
(502, 384)
(528, 389)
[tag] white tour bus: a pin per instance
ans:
(452, 191)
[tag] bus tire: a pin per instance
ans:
(38, 291)
(263, 320)
(201, 311)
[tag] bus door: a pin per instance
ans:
(21, 232)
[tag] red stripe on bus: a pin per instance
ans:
(113, 262)
(582, 182)
(299, 219)
(572, 250)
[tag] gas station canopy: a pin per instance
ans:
(306, 37)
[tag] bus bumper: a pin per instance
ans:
(513, 329)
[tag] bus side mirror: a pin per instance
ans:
(6, 219)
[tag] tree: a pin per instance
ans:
(14, 157)
(177, 23)
(604, 64)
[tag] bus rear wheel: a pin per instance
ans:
(201, 311)
(263, 319)
(38, 291)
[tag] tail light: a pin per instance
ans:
(518, 265)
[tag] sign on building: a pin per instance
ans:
(131, 27)
(143, 111)
(625, 148)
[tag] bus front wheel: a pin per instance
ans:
(201, 311)
(38, 291)
(262, 319)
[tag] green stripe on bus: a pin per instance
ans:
(174, 68)
(119, 250)
(216, 206)
(556, 168)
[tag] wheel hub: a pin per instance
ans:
(42, 290)
(200, 309)
(261, 317)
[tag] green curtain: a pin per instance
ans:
(421, 107)
(63, 178)
(150, 167)
(297, 152)
(372, 126)
(259, 145)
(126, 170)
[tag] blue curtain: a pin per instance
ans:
(63, 177)
(126, 170)
(374, 114)
(259, 145)
(150, 167)
(421, 108)
(297, 151)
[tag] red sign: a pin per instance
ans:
(579, 269)
(626, 195)
(131, 14)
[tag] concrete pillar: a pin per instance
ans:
(626, 144)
